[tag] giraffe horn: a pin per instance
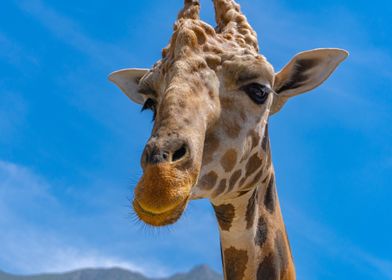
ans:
(231, 20)
(191, 10)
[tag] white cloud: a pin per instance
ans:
(19, 187)
(28, 247)
(29, 252)
(70, 33)
(84, 83)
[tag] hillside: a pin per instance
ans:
(198, 273)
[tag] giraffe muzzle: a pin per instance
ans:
(164, 189)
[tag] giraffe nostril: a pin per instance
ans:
(171, 152)
(156, 156)
(165, 156)
(180, 153)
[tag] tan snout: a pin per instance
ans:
(164, 189)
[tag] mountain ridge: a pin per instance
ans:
(201, 272)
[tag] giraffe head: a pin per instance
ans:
(212, 94)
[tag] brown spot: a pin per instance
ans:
(229, 160)
(227, 36)
(281, 249)
(241, 183)
(268, 269)
(213, 61)
(275, 266)
(261, 232)
(165, 51)
(220, 189)
(232, 128)
(200, 34)
(208, 181)
(270, 195)
(187, 121)
(210, 146)
(225, 215)
(253, 164)
(234, 179)
(265, 142)
(235, 263)
(268, 158)
(255, 138)
(250, 210)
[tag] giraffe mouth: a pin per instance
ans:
(160, 218)
(162, 194)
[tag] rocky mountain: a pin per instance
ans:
(198, 273)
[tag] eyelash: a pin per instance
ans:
(257, 92)
(150, 105)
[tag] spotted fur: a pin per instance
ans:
(235, 263)
(270, 195)
(225, 215)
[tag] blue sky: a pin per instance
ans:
(70, 142)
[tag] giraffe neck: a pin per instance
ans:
(253, 237)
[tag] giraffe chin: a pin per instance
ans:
(162, 194)
(160, 219)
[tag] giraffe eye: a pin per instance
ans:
(150, 105)
(257, 92)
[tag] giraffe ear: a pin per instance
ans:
(128, 81)
(306, 71)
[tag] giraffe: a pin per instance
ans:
(212, 94)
